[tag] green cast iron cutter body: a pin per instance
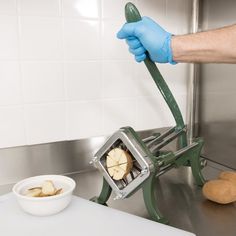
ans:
(148, 151)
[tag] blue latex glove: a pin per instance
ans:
(147, 35)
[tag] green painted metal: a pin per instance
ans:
(151, 201)
(196, 163)
(104, 195)
(132, 15)
(166, 159)
(191, 156)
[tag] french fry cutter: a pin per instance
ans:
(129, 163)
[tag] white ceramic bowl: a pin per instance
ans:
(44, 206)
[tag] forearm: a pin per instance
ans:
(215, 46)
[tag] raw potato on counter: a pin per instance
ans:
(47, 189)
(228, 175)
(222, 190)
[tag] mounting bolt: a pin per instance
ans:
(160, 163)
(93, 160)
(144, 171)
(118, 196)
(203, 162)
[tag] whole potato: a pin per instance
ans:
(220, 191)
(228, 175)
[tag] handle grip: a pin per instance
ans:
(131, 13)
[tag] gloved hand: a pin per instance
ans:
(147, 35)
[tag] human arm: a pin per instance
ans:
(217, 46)
(213, 46)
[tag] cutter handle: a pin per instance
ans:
(131, 13)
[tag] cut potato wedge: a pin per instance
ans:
(35, 192)
(40, 188)
(119, 163)
(48, 188)
(58, 191)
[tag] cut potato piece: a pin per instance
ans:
(58, 191)
(48, 188)
(35, 192)
(35, 188)
(220, 191)
(44, 195)
(119, 163)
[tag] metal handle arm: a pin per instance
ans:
(132, 15)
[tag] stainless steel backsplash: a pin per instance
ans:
(218, 92)
(52, 158)
(65, 157)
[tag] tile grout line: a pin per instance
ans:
(63, 69)
(26, 141)
(101, 29)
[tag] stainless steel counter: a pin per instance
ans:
(179, 199)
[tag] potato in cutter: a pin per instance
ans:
(133, 157)
(119, 163)
(129, 163)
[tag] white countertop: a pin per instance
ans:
(82, 217)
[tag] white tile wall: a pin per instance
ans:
(12, 128)
(118, 79)
(40, 38)
(84, 119)
(118, 113)
(113, 10)
(83, 80)
(42, 82)
(39, 7)
(64, 75)
(8, 7)
(81, 39)
(10, 83)
(9, 37)
(112, 48)
(81, 8)
(152, 112)
(45, 123)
